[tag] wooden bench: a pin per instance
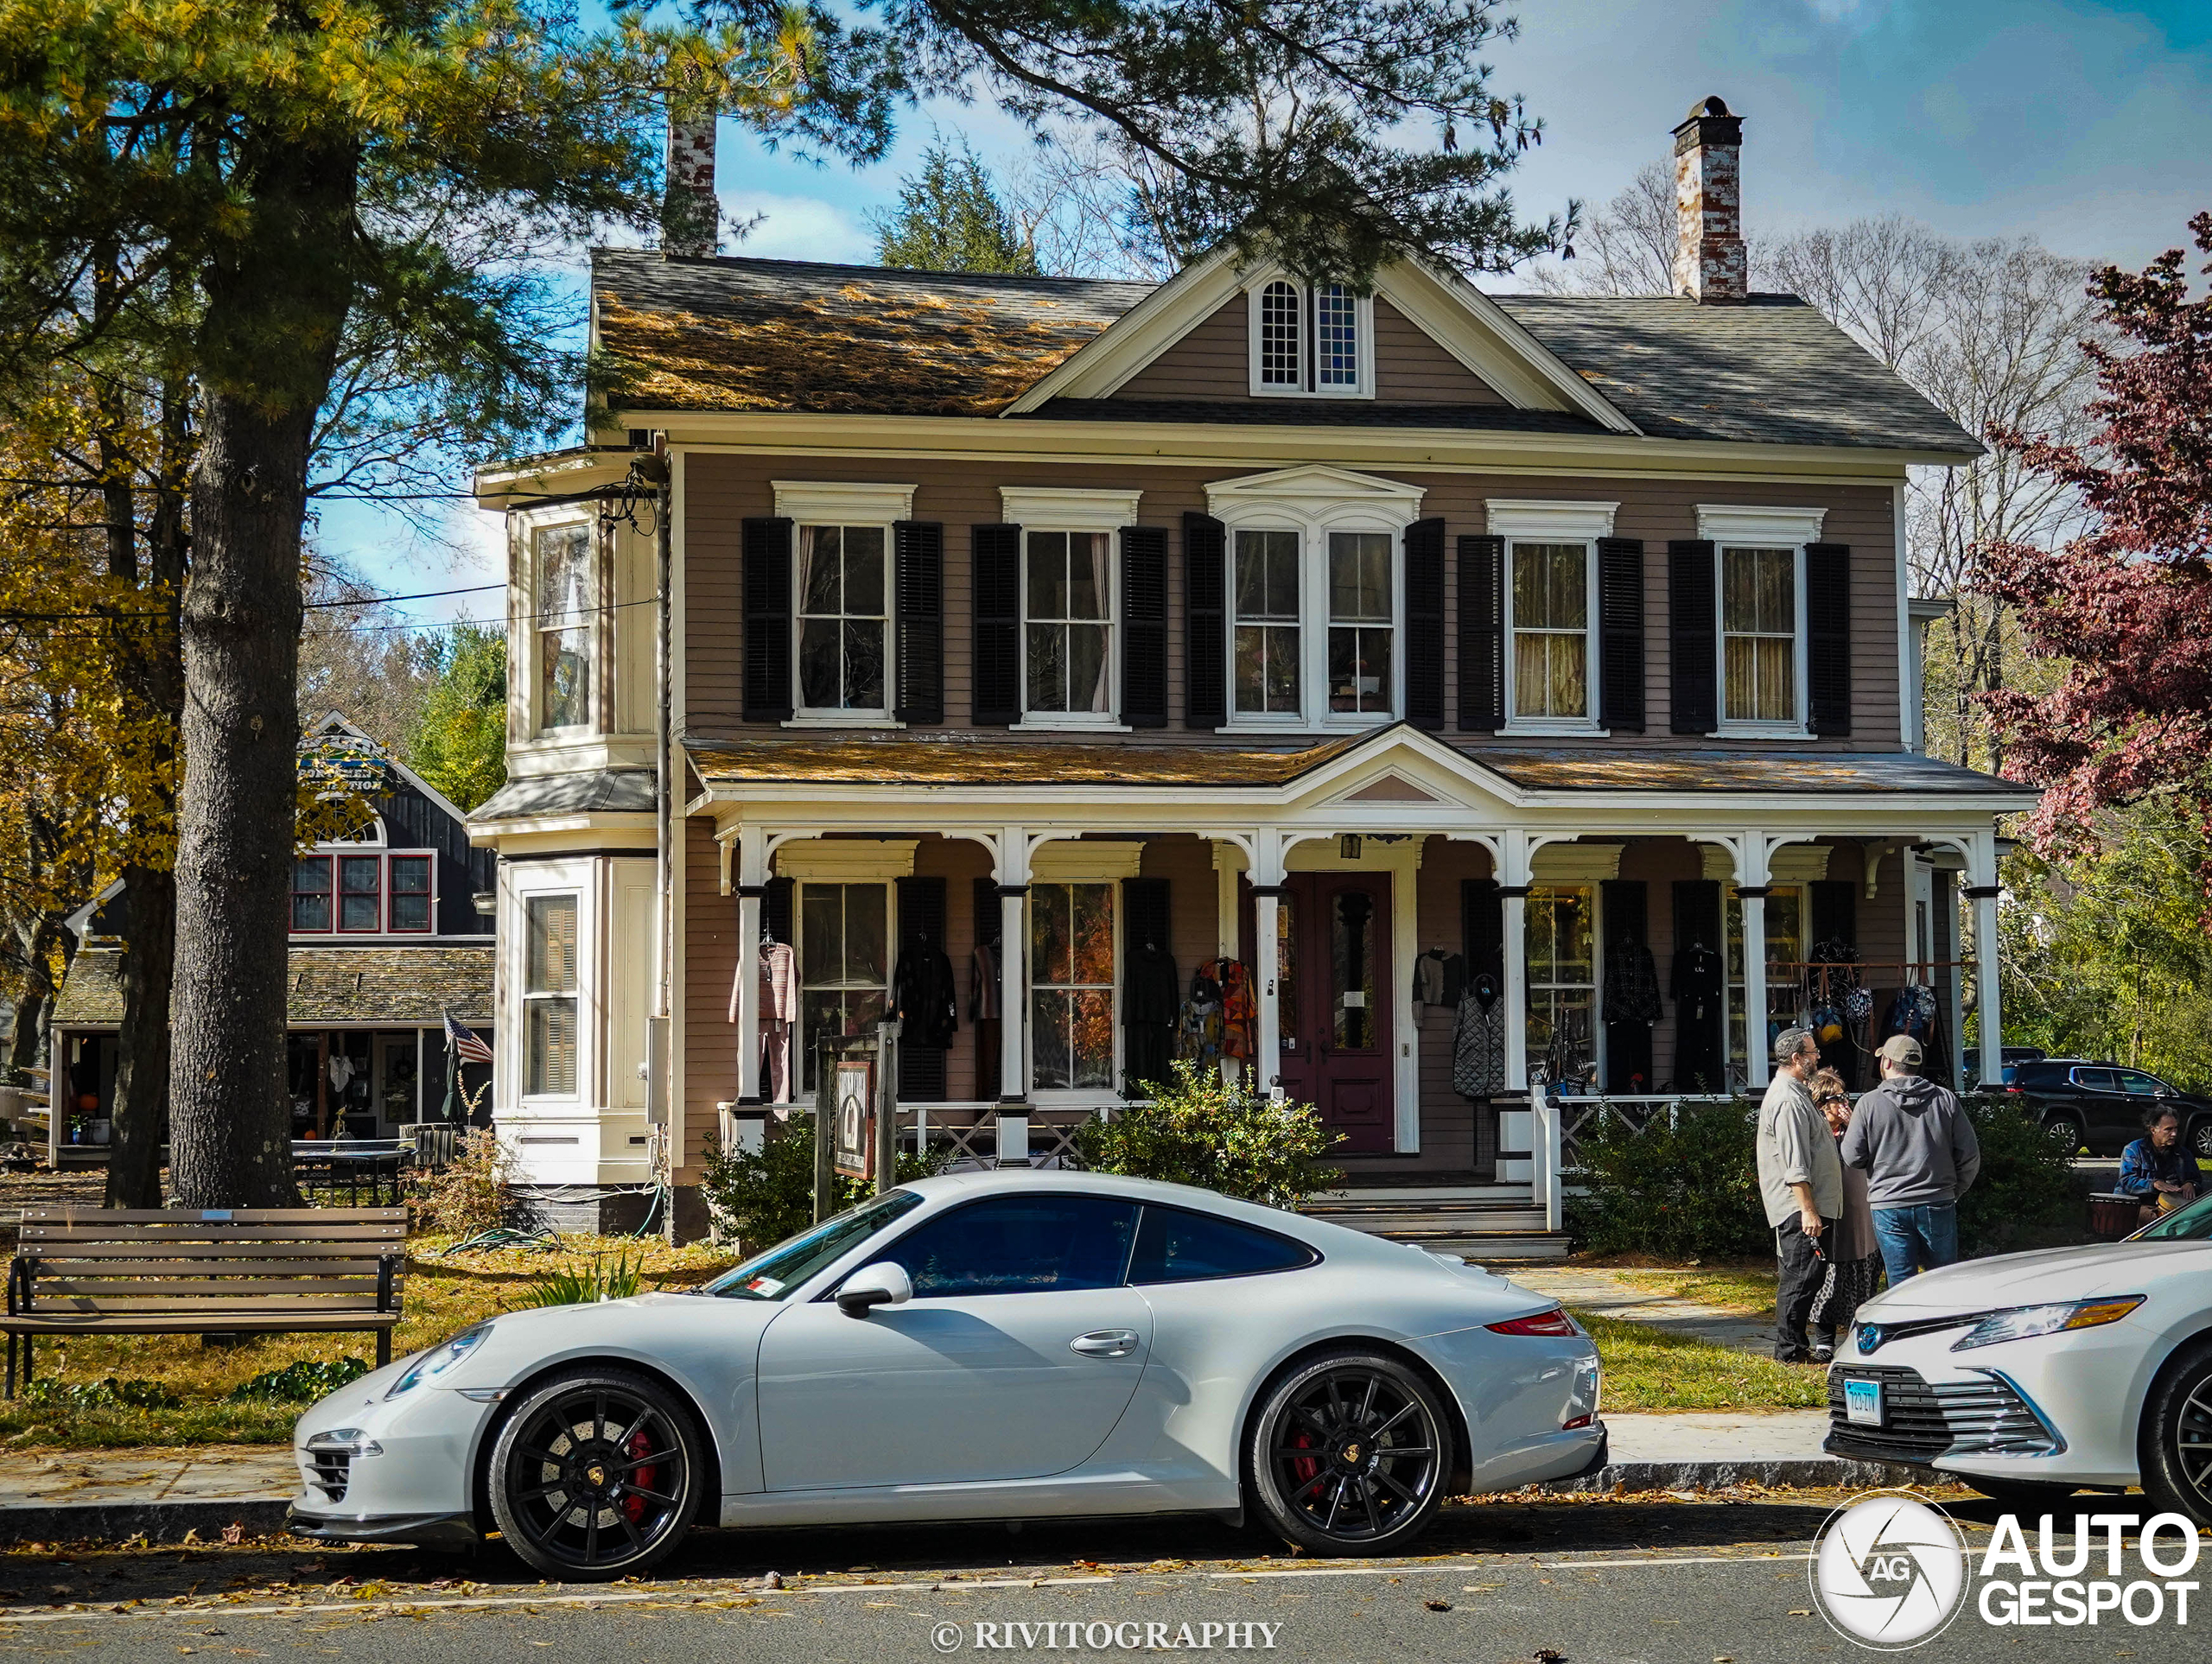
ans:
(176, 1271)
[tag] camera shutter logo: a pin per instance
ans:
(1889, 1571)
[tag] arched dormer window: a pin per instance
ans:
(1311, 340)
(1281, 363)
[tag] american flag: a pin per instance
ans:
(471, 1048)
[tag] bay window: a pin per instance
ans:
(1264, 647)
(1072, 983)
(564, 613)
(549, 996)
(1361, 614)
(843, 620)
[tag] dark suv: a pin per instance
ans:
(2103, 1104)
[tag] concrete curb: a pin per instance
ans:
(158, 1522)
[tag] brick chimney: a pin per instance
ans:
(1710, 266)
(690, 216)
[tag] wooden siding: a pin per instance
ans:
(721, 490)
(1410, 368)
(1212, 362)
(709, 970)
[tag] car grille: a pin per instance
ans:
(1982, 1417)
(328, 1471)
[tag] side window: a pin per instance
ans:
(563, 623)
(2095, 1080)
(550, 997)
(1019, 1245)
(2137, 1084)
(1175, 1246)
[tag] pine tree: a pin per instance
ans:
(949, 219)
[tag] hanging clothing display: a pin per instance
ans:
(1440, 978)
(922, 995)
(1699, 988)
(983, 982)
(1479, 1040)
(1216, 1019)
(1631, 984)
(777, 971)
(1150, 1007)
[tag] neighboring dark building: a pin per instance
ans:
(386, 940)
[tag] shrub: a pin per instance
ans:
(761, 1199)
(473, 1192)
(1688, 1191)
(573, 1286)
(2026, 1183)
(298, 1383)
(108, 1394)
(1200, 1130)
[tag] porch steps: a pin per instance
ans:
(1481, 1222)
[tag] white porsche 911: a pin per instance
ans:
(2030, 1376)
(991, 1346)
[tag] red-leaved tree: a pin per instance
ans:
(2128, 605)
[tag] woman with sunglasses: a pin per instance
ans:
(1854, 1258)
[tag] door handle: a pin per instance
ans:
(1105, 1343)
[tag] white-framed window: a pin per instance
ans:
(1315, 596)
(563, 624)
(1070, 604)
(1561, 934)
(844, 963)
(549, 992)
(1265, 654)
(1071, 987)
(1310, 340)
(842, 620)
(362, 894)
(1759, 617)
(1551, 611)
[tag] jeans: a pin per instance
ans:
(1917, 1239)
(1803, 1273)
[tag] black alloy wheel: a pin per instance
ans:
(2067, 1128)
(1349, 1454)
(2175, 1442)
(2200, 1138)
(596, 1474)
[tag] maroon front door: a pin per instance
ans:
(1332, 989)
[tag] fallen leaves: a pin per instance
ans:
(1438, 1605)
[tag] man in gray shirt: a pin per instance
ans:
(1921, 1156)
(1801, 1181)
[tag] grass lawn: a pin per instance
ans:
(1747, 1289)
(442, 1297)
(1649, 1369)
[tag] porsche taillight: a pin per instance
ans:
(1555, 1322)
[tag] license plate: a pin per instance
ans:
(1862, 1403)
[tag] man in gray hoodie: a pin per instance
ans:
(1920, 1155)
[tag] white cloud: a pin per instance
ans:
(796, 228)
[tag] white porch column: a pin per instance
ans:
(752, 883)
(1267, 894)
(1983, 890)
(1752, 851)
(1513, 894)
(1013, 875)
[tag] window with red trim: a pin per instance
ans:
(311, 894)
(360, 893)
(410, 893)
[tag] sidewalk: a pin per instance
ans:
(1604, 1294)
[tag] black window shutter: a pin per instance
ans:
(1620, 634)
(1482, 927)
(765, 557)
(1827, 643)
(996, 569)
(1206, 628)
(1697, 914)
(1425, 624)
(1692, 628)
(990, 917)
(1144, 626)
(921, 919)
(1145, 917)
(918, 549)
(1835, 911)
(1481, 634)
(776, 911)
(1627, 905)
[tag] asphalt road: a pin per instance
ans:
(1663, 1581)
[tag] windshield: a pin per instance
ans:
(2191, 1225)
(771, 1275)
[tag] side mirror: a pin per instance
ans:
(880, 1284)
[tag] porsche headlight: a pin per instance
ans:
(439, 1359)
(2025, 1322)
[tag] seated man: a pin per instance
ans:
(2157, 1171)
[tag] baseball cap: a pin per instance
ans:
(1900, 1048)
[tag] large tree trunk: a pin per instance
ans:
(140, 1105)
(277, 302)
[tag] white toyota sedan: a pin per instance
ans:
(2030, 1376)
(990, 1346)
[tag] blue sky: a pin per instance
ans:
(2086, 125)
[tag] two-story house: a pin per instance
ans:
(1394, 646)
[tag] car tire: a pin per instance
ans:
(1349, 1452)
(2200, 1139)
(2174, 1451)
(2068, 1129)
(2020, 1496)
(597, 1474)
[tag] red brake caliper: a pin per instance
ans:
(1304, 1467)
(633, 1504)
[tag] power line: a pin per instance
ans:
(310, 606)
(380, 629)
